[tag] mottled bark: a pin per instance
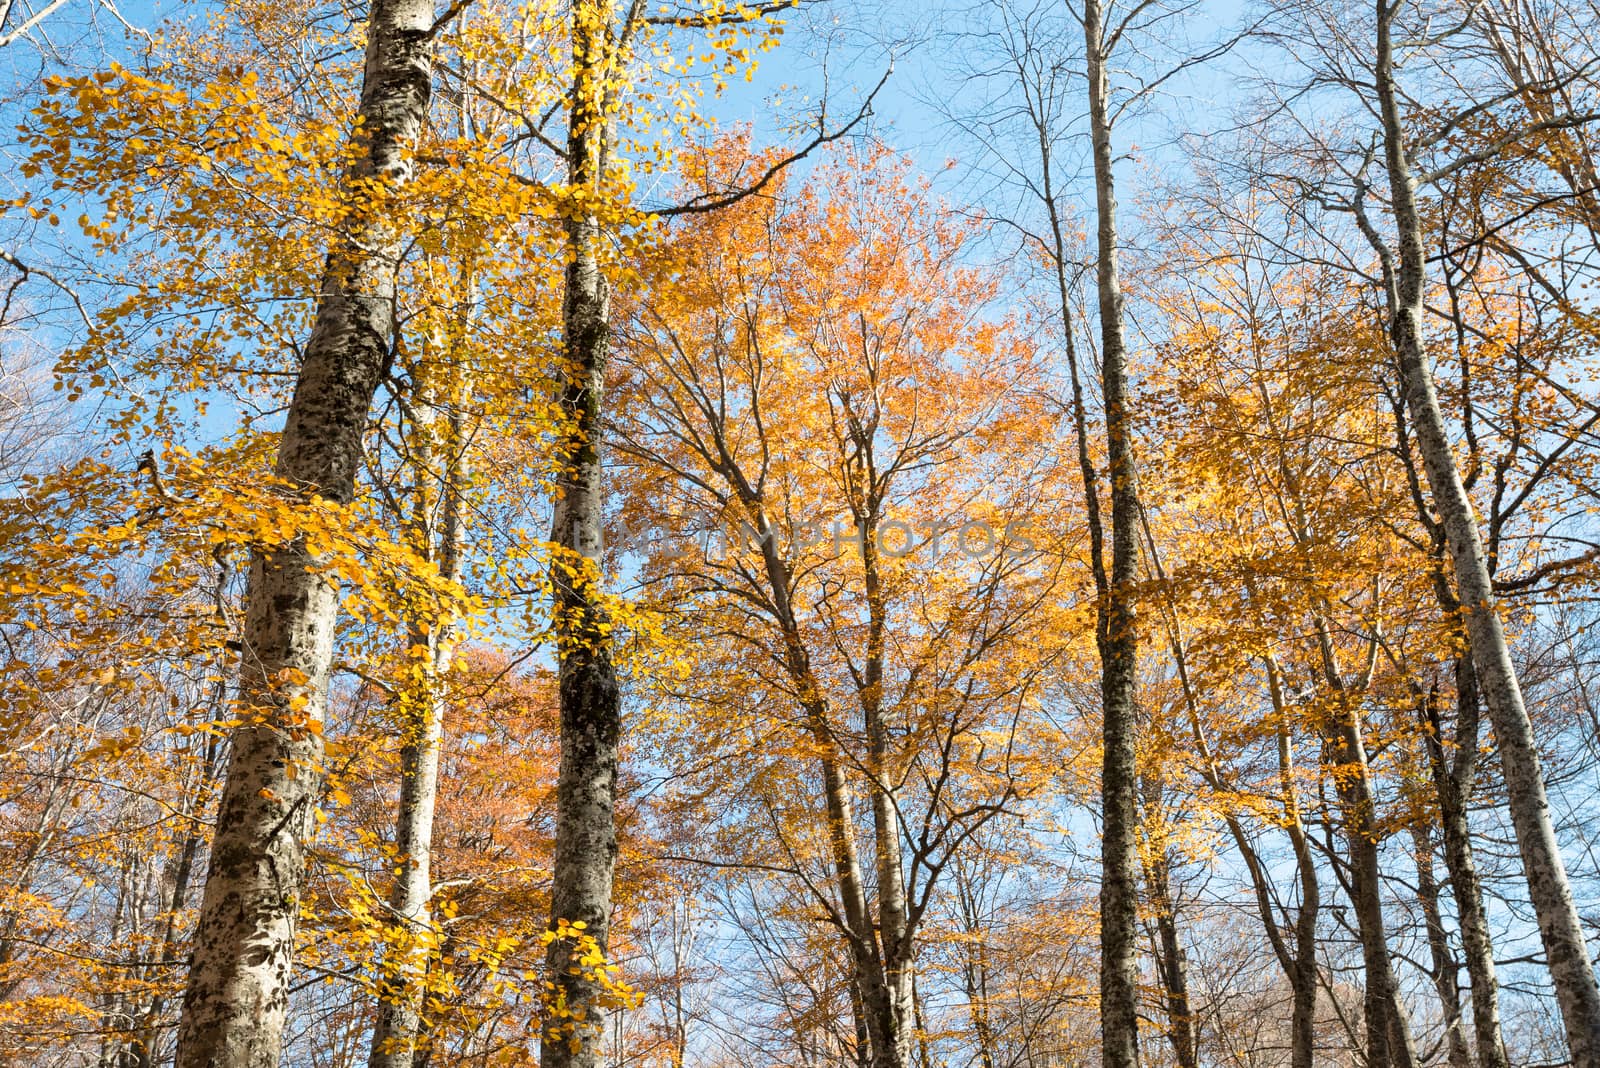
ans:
(591, 703)
(1118, 641)
(1560, 929)
(237, 995)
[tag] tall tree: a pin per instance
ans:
(1115, 628)
(1560, 927)
(437, 457)
(238, 988)
(591, 699)
(887, 645)
(603, 43)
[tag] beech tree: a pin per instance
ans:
(516, 565)
(237, 994)
(816, 343)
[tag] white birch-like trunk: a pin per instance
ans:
(897, 1005)
(238, 989)
(439, 531)
(1560, 928)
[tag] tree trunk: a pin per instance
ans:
(439, 530)
(1446, 969)
(1302, 970)
(1560, 929)
(858, 1013)
(395, 1031)
(238, 989)
(895, 936)
(1389, 1040)
(1166, 945)
(1118, 641)
(591, 703)
(1172, 963)
(878, 948)
(877, 1005)
(1453, 784)
(143, 1047)
(974, 956)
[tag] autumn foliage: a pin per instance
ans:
(733, 544)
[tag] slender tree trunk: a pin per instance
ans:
(924, 1048)
(878, 1005)
(895, 935)
(1172, 963)
(1303, 977)
(1166, 945)
(1302, 969)
(1119, 883)
(1080, 410)
(1560, 929)
(863, 1047)
(439, 530)
(238, 990)
(876, 999)
(591, 703)
(397, 1026)
(1389, 1040)
(144, 1046)
(974, 951)
(1446, 969)
(1453, 784)
(1454, 779)
(1299, 965)
(883, 1005)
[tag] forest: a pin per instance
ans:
(800, 534)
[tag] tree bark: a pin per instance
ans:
(1302, 967)
(1446, 969)
(1118, 641)
(1453, 785)
(895, 936)
(591, 703)
(974, 956)
(398, 1022)
(1560, 929)
(879, 947)
(143, 1047)
(1172, 964)
(1389, 1039)
(882, 1010)
(238, 988)
(439, 530)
